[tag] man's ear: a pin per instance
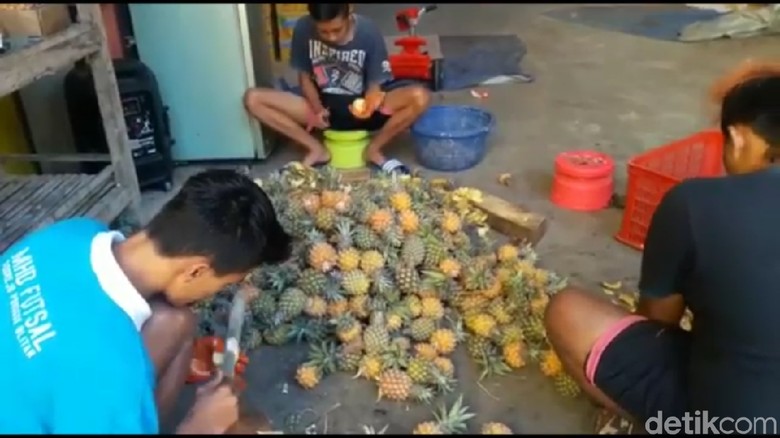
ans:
(196, 270)
(738, 139)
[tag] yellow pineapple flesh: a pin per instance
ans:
(409, 221)
(444, 341)
(550, 364)
(401, 201)
(322, 256)
(308, 376)
(316, 307)
(494, 428)
(513, 354)
(349, 260)
(450, 267)
(380, 220)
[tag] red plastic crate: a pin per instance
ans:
(653, 173)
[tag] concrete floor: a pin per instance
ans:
(594, 89)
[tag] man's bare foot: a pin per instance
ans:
(316, 158)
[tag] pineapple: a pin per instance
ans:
(450, 267)
(349, 260)
(409, 221)
(311, 281)
(421, 329)
(444, 341)
(358, 305)
(325, 219)
(365, 238)
(539, 303)
(278, 335)
(445, 366)
(435, 251)
(393, 236)
(413, 251)
(566, 385)
(447, 422)
(395, 319)
(400, 201)
(419, 370)
(477, 346)
(407, 278)
(264, 307)
(413, 305)
(371, 261)
(331, 198)
(426, 350)
(513, 354)
(355, 282)
(499, 309)
(322, 256)
(344, 236)
(348, 329)
(308, 376)
(495, 429)
(370, 367)
(533, 329)
(380, 220)
(450, 222)
(481, 324)
(507, 253)
(509, 333)
(550, 364)
(316, 307)
(432, 308)
(292, 302)
(337, 308)
(311, 203)
(348, 358)
(375, 336)
(394, 385)
(401, 343)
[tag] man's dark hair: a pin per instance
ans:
(750, 96)
(222, 215)
(328, 11)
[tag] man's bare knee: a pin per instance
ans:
(420, 97)
(573, 307)
(254, 99)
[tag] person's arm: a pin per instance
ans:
(377, 63)
(667, 260)
(301, 62)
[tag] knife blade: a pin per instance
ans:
(233, 335)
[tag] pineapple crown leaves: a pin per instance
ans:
(307, 330)
(454, 420)
(323, 356)
(443, 383)
(492, 364)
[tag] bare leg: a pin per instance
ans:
(286, 113)
(405, 105)
(169, 336)
(574, 321)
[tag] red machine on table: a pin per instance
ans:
(412, 63)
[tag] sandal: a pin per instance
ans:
(391, 166)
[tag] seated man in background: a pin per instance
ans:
(712, 246)
(340, 57)
(95, 330)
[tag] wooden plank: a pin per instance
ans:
(111, 111)
(46, 196)
(350, 176)
(110, 207)
(56, 158)
(20, 68)
(512, 220)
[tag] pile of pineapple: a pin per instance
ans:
(387, 278)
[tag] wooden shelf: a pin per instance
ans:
(28, 202)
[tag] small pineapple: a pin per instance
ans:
(348, 357)
(413, 251)
(481, 324)
(413, 305)
(550, 364)
(450, 267)
(344, 234)
(566, 385)
(435, 251)
(432, 308)
(322, 361)
(355, 282)
(365, 238)
(400, 201)
(331, 198)
(507, 253)
(338, 307)
(409, 221)
(325, 219)
(312, 281)
(380, 220)
(371, 261)
(509, 333)
(447, 421)
(322, 256)
(291, 304)
(495, 429)
(394, 385)
(445, 366)
(477, 346)
(513, 354)
(370, 367)
(393, 237)
(500, 310)
(450, 222)
(311, 203)
(407, 278)
(316, 307)
(533, 329)
(308, 375)
(421, 329)
(419, 369)
(349, 260)
(348, 329)
(444, 341)
(426, 350)
(375, 336)
(358, 305)
(278, 335)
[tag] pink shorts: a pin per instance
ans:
(592, 363)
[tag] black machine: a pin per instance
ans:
(145, 116)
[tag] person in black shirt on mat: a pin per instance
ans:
(713, 246)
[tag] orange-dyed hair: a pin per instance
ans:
(748, 70)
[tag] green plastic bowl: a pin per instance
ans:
(346, 148)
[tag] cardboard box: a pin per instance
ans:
(36, 21)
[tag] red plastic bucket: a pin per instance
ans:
(583, 180)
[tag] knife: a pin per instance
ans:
(233, 335)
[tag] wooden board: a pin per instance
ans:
(350, 176)
(30, 202)
(512, 220)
